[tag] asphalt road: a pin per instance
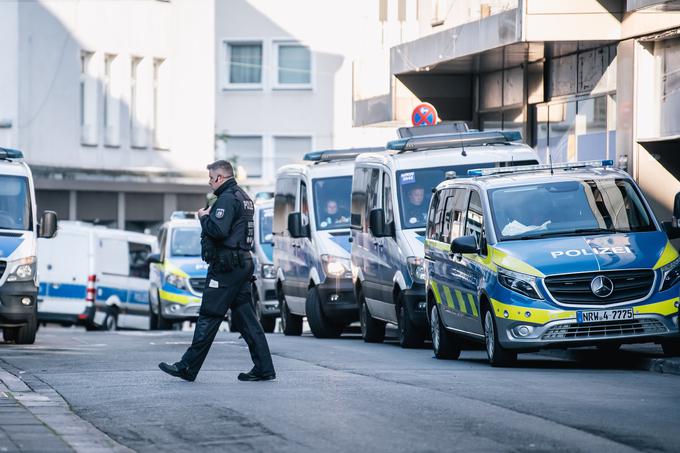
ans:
(344, 395)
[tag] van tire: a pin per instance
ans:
(163, 323)
(321, 326)
(372, 330)
(444, 343)
(290, 324)
(153, 317)
(497, 354)
(110, 320)
(26, 334)
(671, 348)
(410, 336)
(267, 323)
(9, 334)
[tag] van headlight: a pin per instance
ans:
(21, 270)
(335, 266)
(524, 284)
(268, 271)
(670, 274)
(416, 268)
(177, 281)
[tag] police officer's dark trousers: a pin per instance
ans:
(233, 292)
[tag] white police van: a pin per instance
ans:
(95, 276)
(19, 231)
(264, 287)
(391, 193)
(311, 243)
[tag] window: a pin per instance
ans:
(88, 99)
(111, 101)
(138, 254)
(288, 150)
(284, 203)
(387, 199)
(372, 192)
(15, 203)
(474, 221)
(436, 215)
(304, 204)
(186, 242)
(138, 131)
(244, 64)
(246, 153)
(332, 200)
(161, 104)
(359, 182)
(162, 241)
(294, 65)
(454, 206)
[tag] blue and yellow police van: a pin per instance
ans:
(177, 276)
(532, 257)
(311, 243)
(391, 193)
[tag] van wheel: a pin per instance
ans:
(410, 336)
(153, 317)
(321, 326)
(290, 324)
(111, 319)
(444, 342)
(671, 348)
(372, 330)
(163, 323)
(26, 334)
(498, 356)
(9, 334)
(267, 323)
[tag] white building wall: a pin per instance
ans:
(337, 32)
(9, 75)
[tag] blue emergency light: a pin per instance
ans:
(338, 154)
(460, 140)
(8, 153)
(526, 168)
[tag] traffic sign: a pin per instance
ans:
(424, 115)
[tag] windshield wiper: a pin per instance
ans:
(576, 232)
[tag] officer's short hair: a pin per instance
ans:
(223, 165)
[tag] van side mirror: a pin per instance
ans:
(295, 226)
(377, 225)
(465, 244)
(48, 225)
(153, 258)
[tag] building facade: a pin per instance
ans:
(112, 104)
(584, 79)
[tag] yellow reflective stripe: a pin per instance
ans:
(665, 308)
(473, 306)
(669, 254)
(438, 245)
(536, 315)
(435, 290)
(511, 263)
(461, 302)
(449, 299)
(178, 298)
(174, 269)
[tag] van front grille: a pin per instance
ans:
(574, 289)
(3, 266)
(198, 284)
(597, 330)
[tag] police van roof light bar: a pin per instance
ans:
(8, 153)
(338, 154)
(528, 168)
(458, 140)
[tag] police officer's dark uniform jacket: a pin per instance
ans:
(226, 240)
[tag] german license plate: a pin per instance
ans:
(584, 317)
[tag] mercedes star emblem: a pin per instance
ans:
(601, 286)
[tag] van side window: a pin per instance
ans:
(372, 192)
(162, 241)
(454, 206)
(137, 259)
(434, 218)
(304, 204)
(387, 199)
(284, 203)
(474, 219)
(359, 182)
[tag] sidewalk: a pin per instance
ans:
(35, 418)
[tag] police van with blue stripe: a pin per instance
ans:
(391, 192)
(311, 243)
(19, 232)
(547, 256)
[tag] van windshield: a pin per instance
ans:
(186, 242)
(331, 202)
(415, 188)
(266, 219)
(15, 203)
(568, 208)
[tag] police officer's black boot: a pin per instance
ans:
(254, 375)
(177, 371)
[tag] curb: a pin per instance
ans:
(48, 406)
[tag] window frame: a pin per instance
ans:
(226, 65)
(275, 83)
(482, 239)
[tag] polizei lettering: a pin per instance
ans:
(593, 251)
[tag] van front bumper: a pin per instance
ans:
(266, 291)
(652, 323)
(12, 311)
(415, 302)
(337, 300)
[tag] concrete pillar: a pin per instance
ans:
(72, 208)
(121, 210)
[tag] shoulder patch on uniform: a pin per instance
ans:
(219, 213)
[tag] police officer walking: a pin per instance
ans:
(226, 239)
